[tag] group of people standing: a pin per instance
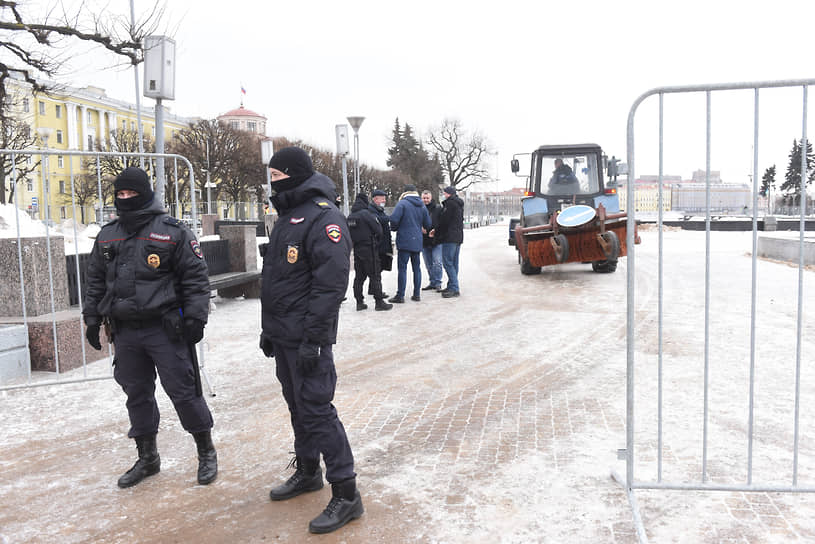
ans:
(148, 288)
(423, 228)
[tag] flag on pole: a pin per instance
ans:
(243, 91)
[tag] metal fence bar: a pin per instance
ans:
(47, 210)
(724, 487)
(707, 285)
(753, 283)
(799, 326)
(78, 271)
(20, 257)
(661, 283)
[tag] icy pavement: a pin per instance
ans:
(493, 417)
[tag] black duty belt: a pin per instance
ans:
(137, 323)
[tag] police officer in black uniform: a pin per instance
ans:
(148, 282)
(366, 234)
(305, 276)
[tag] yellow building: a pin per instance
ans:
(646, 196)
(79, 119)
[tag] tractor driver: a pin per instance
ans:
(563, 179)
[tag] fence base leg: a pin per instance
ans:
(635, 509)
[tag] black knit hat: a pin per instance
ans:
(450, 190)
(134, 179)
(292, 161)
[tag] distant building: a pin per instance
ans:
(80, 119)
(699, 176)
(243, 119)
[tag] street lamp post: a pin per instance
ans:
(356, 122)
(266, 152)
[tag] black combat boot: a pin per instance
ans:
(308, 476)
(207, 458)
(361, 306)
(381, 305)
(147, 464)
(345, 505)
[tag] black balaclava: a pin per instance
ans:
(292, 161)
(134, 179)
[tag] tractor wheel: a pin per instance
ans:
(613, 245)
(561, 247)
(604, 267)
(529, 270)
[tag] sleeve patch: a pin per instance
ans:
(196, 248)
(334, 233)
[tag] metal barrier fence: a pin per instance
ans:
(54, 300)
(705, 483)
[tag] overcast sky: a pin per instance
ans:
(523, 73)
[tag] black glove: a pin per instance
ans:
(308, 355)
(92, 334)
(266, 346)
(193, 330)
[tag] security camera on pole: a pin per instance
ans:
(342, 150)
(159, 83)
(356, 122)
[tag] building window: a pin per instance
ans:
(90, 118)
(58, 111)
(62, 186)
(26, 107)
(29, 186)
(153, 131)
(90, 142)
(63, 212)
(235, 125)
(59, 136)
(42, 107)
(27, 132)
(60, 162)
(124, 124)
(132, 125)
(251, 126)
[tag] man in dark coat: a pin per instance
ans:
(366, 233)
(304, 279)
(451, 235)
(431, 249)
(147, 280)
(377, 206)
(408, 219)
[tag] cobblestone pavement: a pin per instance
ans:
(494, 417)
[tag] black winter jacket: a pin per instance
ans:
(306, 265)
(435, 212)
(385, 244)
(145, 274)
(366, 232)
(451, 222)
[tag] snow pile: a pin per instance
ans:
(78, 237)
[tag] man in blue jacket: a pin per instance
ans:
(408, 218)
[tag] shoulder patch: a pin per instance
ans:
(196, 248)
(333, 232)
(172, 221)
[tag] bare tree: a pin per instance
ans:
(34, 47)
(244, 170)
(460, 153)
(15, 134)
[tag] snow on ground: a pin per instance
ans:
(78, 237)
(494, 417)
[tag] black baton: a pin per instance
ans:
(197, 371)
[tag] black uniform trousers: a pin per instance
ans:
(317, 429)
(367, 265)
(139, 353)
